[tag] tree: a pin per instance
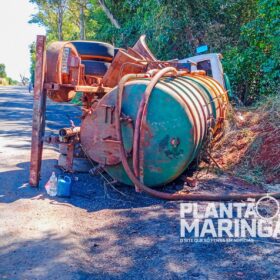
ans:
(79, 11)
(32, 51)
(82, 5)
(109, 14)
(70, 19)
(52, 14)
(3, 71)
(246, 32)
(256, 56)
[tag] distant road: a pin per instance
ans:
(16, 107)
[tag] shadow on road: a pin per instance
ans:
(88, 192)
(133, 244)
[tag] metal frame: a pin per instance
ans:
(39, 112)
(41, 89)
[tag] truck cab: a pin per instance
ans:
(211, 64)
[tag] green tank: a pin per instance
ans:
(181, 113)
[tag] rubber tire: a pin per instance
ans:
(116, 50)
(95, 68)
(94, 49)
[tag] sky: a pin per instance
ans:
(16, 34)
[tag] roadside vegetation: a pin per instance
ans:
(4, 79)
(246, 32)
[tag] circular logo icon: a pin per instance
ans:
(267, 207)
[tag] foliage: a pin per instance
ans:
(245, 31)
(3, 71)
(11, 82)
(4, 79)
(61, 18)
(32, 50)
(256, 70)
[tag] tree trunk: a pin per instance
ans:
(109, 14)
(82, 22)
(60, 23)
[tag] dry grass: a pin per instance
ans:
(250, 147)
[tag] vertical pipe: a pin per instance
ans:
(39, 110)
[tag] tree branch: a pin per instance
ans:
(109, 14)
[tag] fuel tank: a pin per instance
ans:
(182, 113)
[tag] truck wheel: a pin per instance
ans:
(94, 50)
(95, 68)
(116, 50)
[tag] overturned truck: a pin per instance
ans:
(143, 120)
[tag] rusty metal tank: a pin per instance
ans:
(182, 112)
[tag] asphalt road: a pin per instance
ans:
(99, 233)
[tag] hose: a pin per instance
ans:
(130, 173)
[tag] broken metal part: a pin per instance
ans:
(124, 63)
(142, 48)
(68, 132)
